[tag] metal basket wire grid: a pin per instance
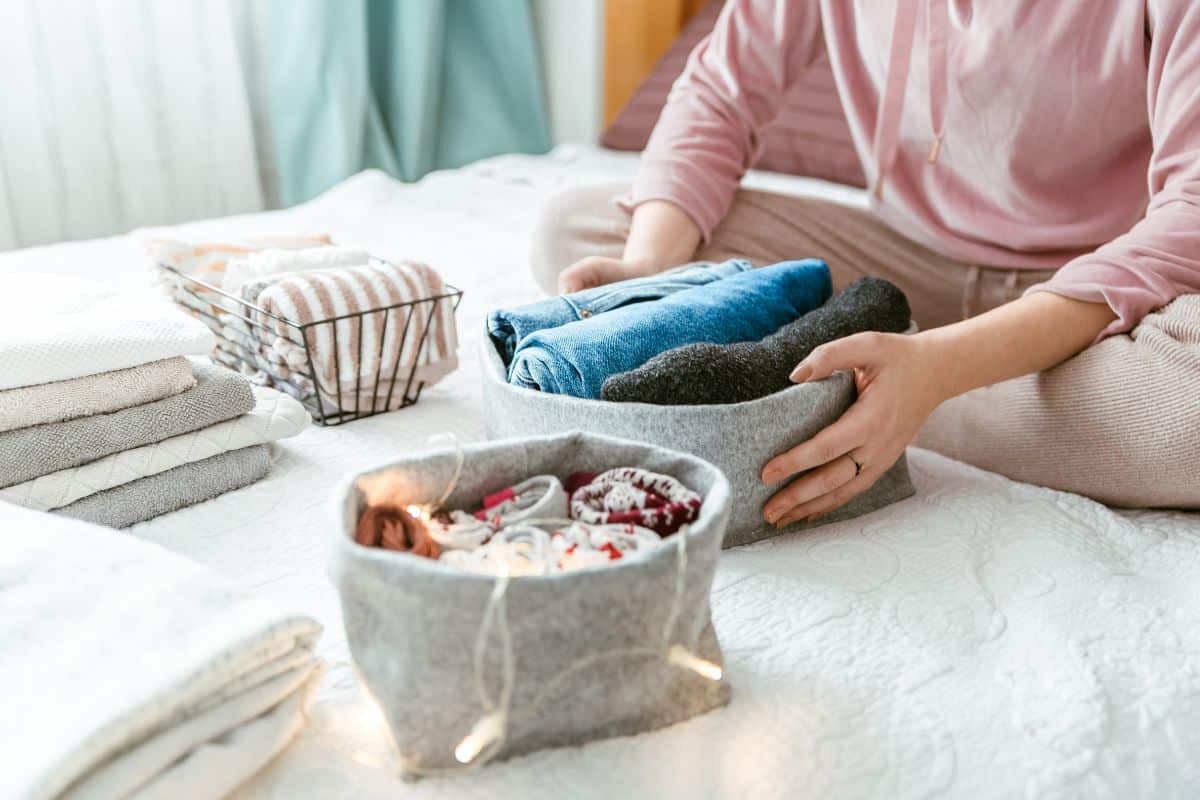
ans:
(240, 327)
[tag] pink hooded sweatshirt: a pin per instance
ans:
(1012, 133)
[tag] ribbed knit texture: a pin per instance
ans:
(705, 373)
(1120, 422)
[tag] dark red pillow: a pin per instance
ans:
(809, 137)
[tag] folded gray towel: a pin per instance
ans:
(182, 486)
(699, 374)
(29, 453)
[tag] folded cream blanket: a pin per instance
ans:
(274, 416)
(43, 403)
(128, 671)
(164, 492)
(356, 359)
(31, 452)
(55, 329)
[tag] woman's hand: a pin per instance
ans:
(902, 379)
(661, 236)
(593, 271)
(898, 388)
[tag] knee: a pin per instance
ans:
(573, 224)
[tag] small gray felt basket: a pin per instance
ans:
(739, 438)
(565, 658)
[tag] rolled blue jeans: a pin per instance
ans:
(507, 327)
(575, 358)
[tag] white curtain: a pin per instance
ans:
(122, 113)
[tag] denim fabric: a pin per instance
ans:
(574, 359)
(507, 327)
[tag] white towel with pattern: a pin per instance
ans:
(55, 329)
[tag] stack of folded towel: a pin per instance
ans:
(177, 685)
(703, 333)
(104, 417)
(305, 327)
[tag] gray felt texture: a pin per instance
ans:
(739, 438)
(182, 486)
(29, 453)
(412, 622)
(704, 373)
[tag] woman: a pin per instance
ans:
(1007, 146)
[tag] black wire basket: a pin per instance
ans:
(228, 315)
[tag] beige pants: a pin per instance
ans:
(1120, 422)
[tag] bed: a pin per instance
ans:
(982, 639)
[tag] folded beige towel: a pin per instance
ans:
(105, 392)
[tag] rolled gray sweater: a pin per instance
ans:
(699, 374)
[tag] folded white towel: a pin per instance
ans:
(55, 329)
(265, 263)
(129, 671)
(275, 416)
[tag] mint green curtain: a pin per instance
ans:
(406, 86)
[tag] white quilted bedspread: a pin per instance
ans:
(984, 639)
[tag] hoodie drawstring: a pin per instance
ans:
(891, 107)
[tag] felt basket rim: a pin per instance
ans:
(714, 513)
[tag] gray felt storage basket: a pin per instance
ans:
(739, 438)
(413, 623)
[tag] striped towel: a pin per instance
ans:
(355, 360)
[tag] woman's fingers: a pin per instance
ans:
(851, 352)
(837, 497)
(821, 481)
(838, 439)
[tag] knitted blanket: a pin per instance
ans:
(44, 403)
(164, 492)
(274, 416)
(131, 670)
(31, 452)
(55, 329)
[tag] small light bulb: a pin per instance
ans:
(684, 658)
(486, 731)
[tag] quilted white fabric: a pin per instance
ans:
(53, 329)
(984, 639)
(121, 662)
(274, 416)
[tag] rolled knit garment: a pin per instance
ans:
(360, 357)
(629, 495)
(507, 327)
(186, 485)
(576, 358)
(704, 373)
(32, 452)
(393, 528)
(59, 401)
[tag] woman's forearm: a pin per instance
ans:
(1027, 335)
(661, 236)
